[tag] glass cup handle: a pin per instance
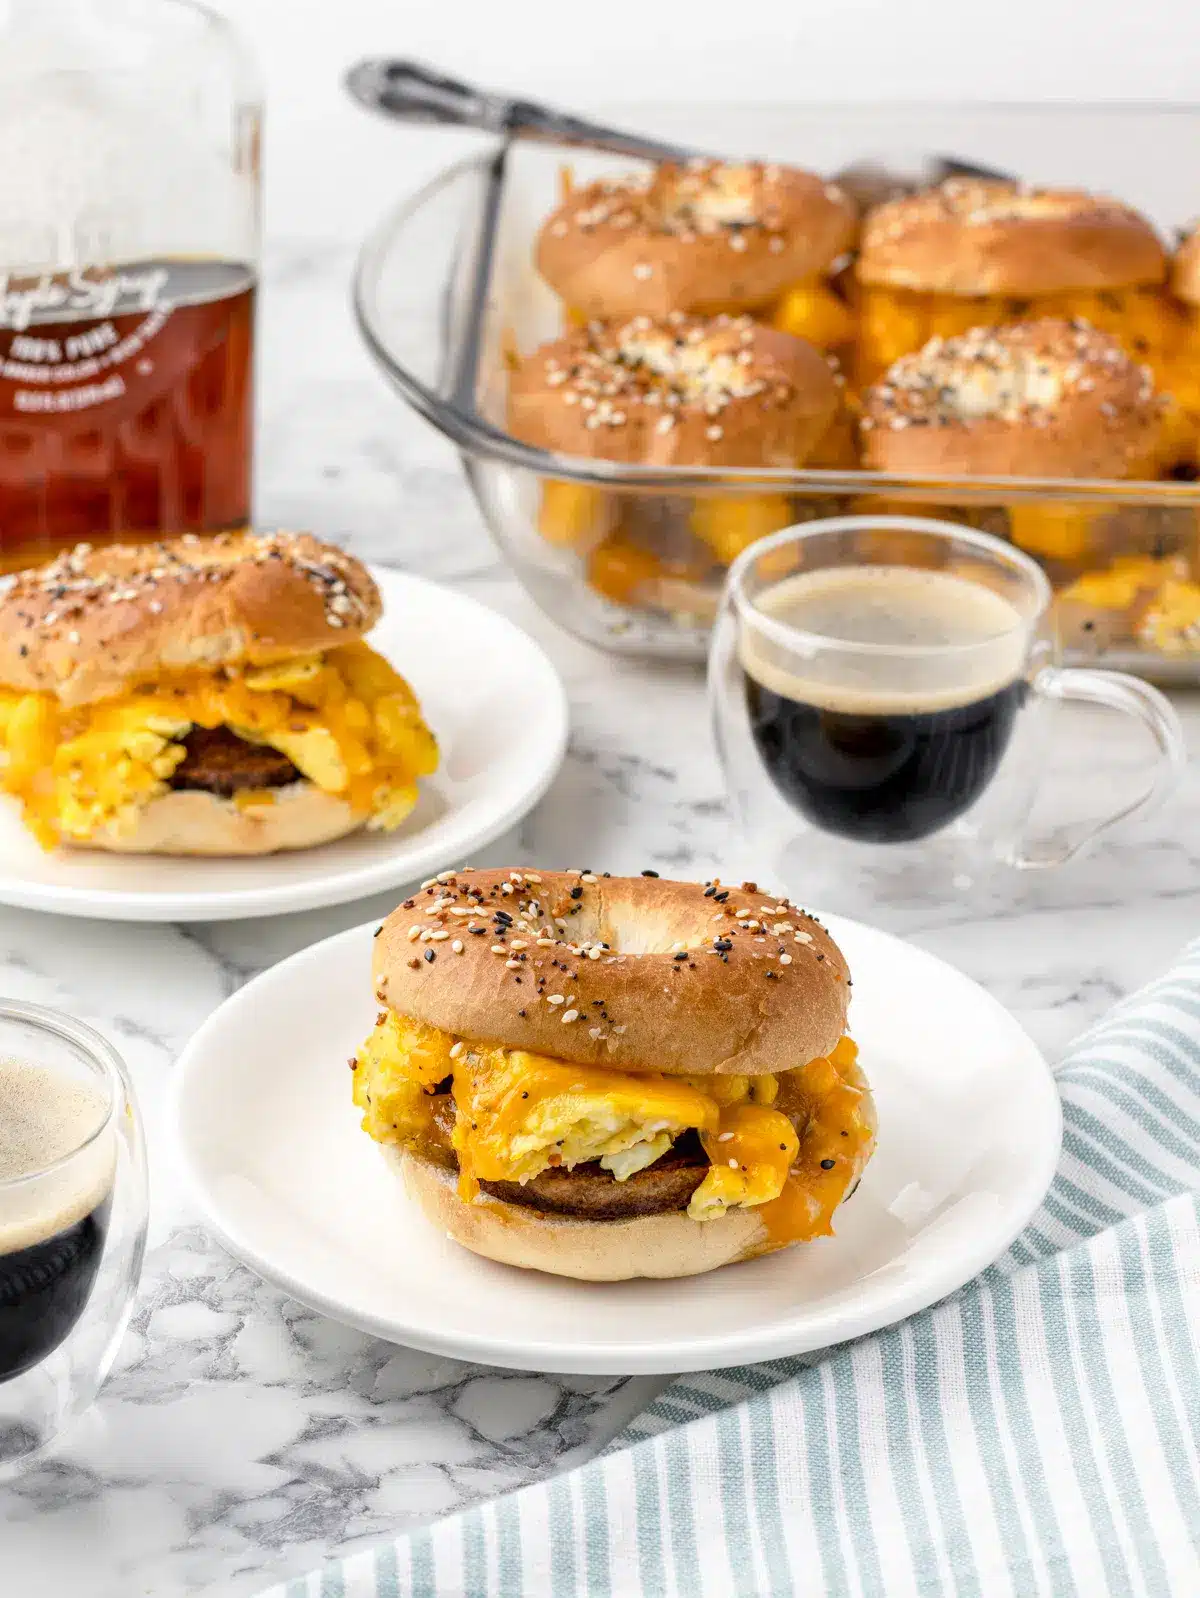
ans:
(1131, 697)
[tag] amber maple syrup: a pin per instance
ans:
(126, 404)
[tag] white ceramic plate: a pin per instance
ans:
(270, 1142)
(500, 715)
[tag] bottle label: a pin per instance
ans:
(64, 337)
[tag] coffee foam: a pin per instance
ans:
(47, 1116)
(942, 640)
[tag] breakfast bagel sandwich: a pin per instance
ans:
(975, 252)
(664, 391)
(1048, 398)
(605, 1077)
(1035, 399)
(701, 236)
(675, 390)
(203, 697)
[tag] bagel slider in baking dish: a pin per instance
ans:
(1048, 398)
(976, 252)
(702, 237)
(674, 390)
(606, 1077)
(203, 697)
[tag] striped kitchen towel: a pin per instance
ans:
(1035, 1434)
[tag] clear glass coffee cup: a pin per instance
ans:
(883, 691)
(73, 1207)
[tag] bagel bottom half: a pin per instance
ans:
(590, 1251)
(191, 822)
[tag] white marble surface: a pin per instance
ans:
(243, 1438)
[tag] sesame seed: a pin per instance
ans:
(498, 948)
(547, 943)
(801, 937)
(513, 965)
(733, 1165)
(456, 1050)
(438, 937)
(724, 1137)
(555, 998)
(570, 1015)
(445, 876)
(714, 433)
(457, 946)
(413, 933)
(785, 959)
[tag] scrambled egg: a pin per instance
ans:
(812, 311)
(344, 718)
(894, 322)
(517, 1114)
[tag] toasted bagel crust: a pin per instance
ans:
(1036, 399)
(190, 822)
(707, 236)
(745, 1000)
(660, 1245)
(1185, 270)
(973, 236)
(675, 391)
(94, 620)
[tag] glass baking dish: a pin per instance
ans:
(445, 292)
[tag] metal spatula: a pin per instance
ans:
(410, 92)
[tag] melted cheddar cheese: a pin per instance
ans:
(814, 312)
(344, 718)
(1171, 621)
(1129, 579)
(518, 1114)
(895, 322)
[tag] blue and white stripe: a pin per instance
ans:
(1035, 1434)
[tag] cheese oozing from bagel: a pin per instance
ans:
(347, 721)
(518, 1114)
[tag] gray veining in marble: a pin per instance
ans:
(242, 1437)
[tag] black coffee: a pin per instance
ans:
(874, 744)
(53, 1225)
(44, 1288)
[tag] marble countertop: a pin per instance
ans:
(243, 1438)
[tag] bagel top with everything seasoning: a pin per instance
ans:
(702, 236)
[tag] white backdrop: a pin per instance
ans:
(647, 51)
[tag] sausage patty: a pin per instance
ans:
(589, 1192)
(219, 762)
